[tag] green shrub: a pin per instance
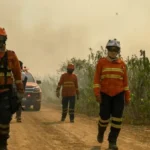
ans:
(138, 111)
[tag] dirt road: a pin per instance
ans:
(43, 131)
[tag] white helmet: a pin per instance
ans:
(113, 43)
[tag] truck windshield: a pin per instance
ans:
(30, 77)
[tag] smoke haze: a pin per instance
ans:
(45, 33)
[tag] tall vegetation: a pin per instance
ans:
(138, 111)
(139, 82)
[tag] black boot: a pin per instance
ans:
(71, 121)
(71, 118)
(100, 137)
(18, 120)
(112, 146)
(3, 145)
(62, 119)
(112, 138)
(101, 131)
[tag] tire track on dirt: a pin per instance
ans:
(43, 131)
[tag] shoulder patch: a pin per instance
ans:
(63, 74)
(101, 60)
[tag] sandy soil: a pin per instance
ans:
(43, 131)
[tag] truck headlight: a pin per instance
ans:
(36, 89)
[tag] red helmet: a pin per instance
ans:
(70, 66)
(3, 32)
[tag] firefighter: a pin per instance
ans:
(69, 83)
(9, 69)
(112, 92)
(25, 69)
(24, 80)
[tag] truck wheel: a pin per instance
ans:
(37, 106)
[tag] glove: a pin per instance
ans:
(20, 95)
(98, 98)
(127, 101)
(58, 94)
(127, 97)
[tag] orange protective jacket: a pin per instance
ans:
(111, 78)
(69, 83)
(13, 71)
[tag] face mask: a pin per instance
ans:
(70, 71)
(111, 58)
(1, 44)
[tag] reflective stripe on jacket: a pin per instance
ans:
(111, 78)
(13, 71)
(69, 84)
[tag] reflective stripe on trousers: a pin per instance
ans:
(111, 110)
(68, 101)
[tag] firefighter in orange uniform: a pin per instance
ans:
(112, 92)
(69, 84)
(9, 69)
(24, 80)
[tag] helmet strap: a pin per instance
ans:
(112, 59)
(70, 71)
(2, 47)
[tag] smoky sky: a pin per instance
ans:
(46, 33)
